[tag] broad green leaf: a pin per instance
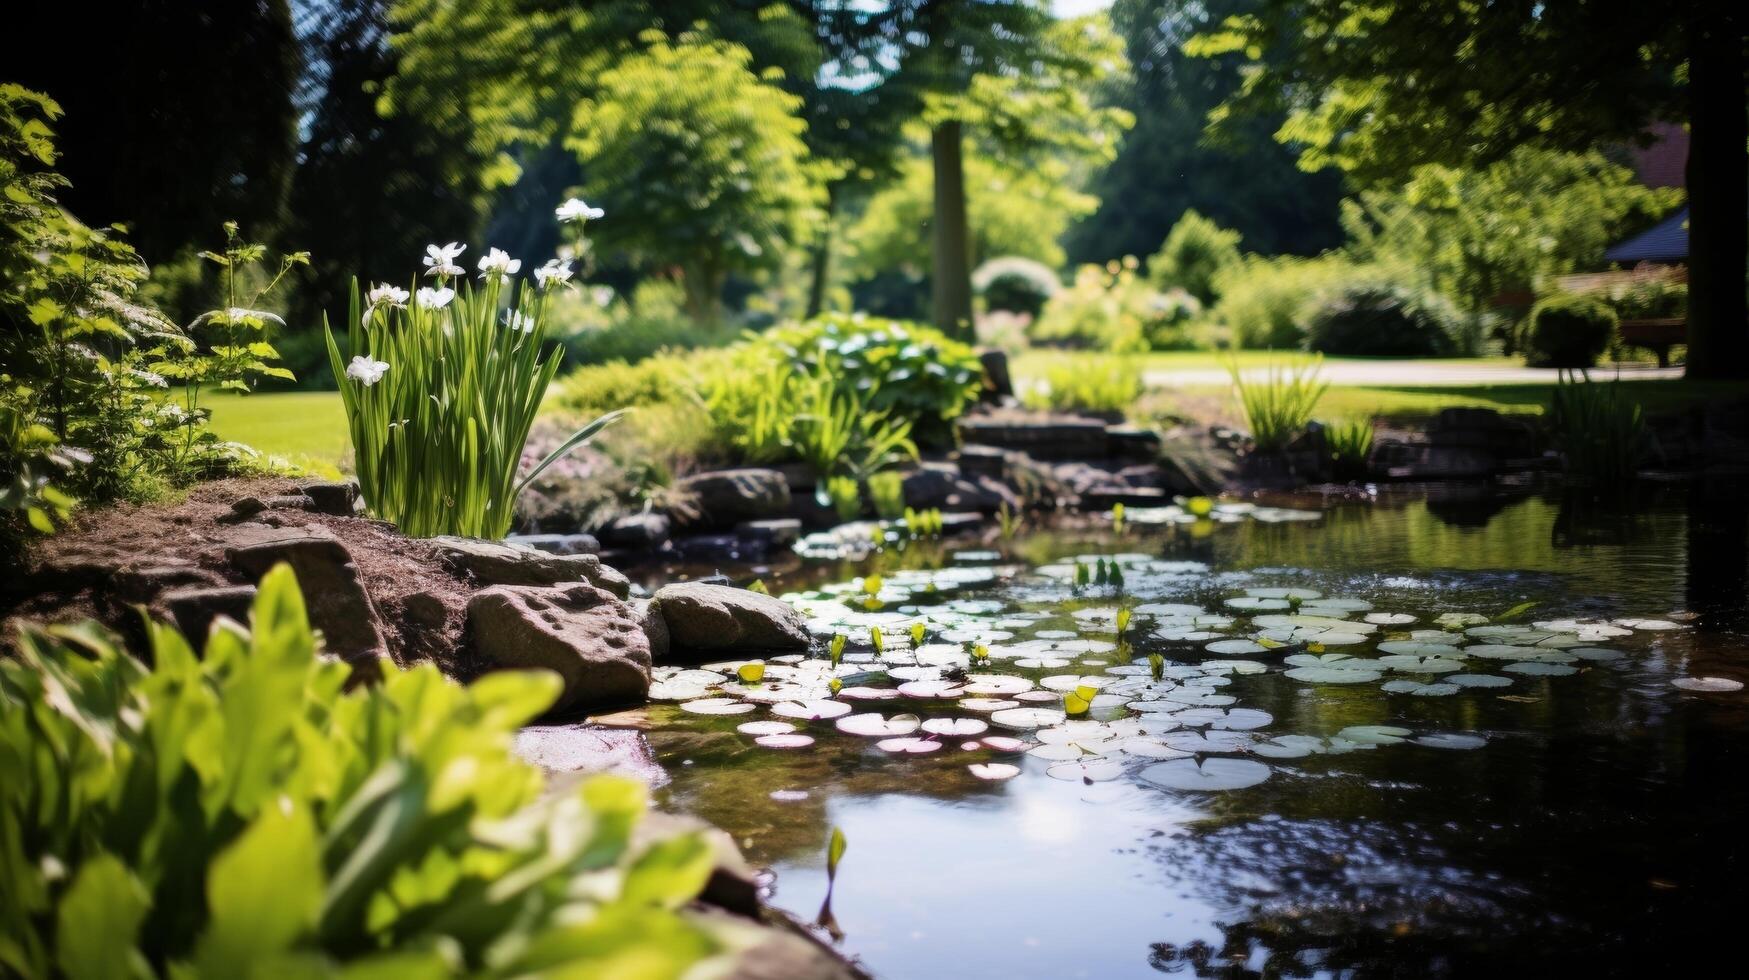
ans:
(835, 852)
(98, 920)
(669, 874)
(264, 891)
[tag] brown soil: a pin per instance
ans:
(81, 572)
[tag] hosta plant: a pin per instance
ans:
(242, 813)
(441, 391)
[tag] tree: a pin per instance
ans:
(1240, 177)
(1378, 87)
(698, 162)
(1005, 67)
(178, 115)
(1475, 234)
(370, 190)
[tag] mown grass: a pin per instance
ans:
(306, 428)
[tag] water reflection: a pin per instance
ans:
(1598, 831)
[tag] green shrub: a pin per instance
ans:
(1110, 308)
(1099, 383)
(241, 812)
(1264, 301)
(440, 395)
(1569, 330)
(887, 490)
(1016, 284)
(845, 495)
(1278, 407)
(914, 373)
(1599, 429)
(660, 380)
(1651, 299)
(1349, 443)
(1379, 319)
(1193, 255)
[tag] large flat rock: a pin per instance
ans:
(336, 598)
(720, 618)
(589, 637)
(502, 563)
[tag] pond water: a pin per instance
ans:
(1493, 787)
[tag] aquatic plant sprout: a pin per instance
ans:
(440, 395)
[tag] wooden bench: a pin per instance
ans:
(1657, 336)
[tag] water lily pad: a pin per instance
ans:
(868, 693)
(820, 710)
(762, 728)
(1389, 619)
(1419, 689)
(1289, 747)
(996, 685)
(1540, 669)
(1596, 654)
(1459, 620)
(1236, 647)
(1417, 648)
(1655, 625)
(873, 725)
(790, 741)
(1208, 775)
(1330, 675)
(1024, 719)
(956, 727)
(1404, 664)
(1708, 685)
(1002, 743)
(1059, 751)
(1479, 680)
(1374, 734)
(1041, 663)
(676, 691)
(1235, 719)
(937, 690)
(908, 746)
(993, 771)
(987, 705)
(717, 706)
(1150, 748)
(1252, 603)
(1093, 769)
(1451, 740)
(1208, 743)
(1301, 594)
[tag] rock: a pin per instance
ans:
(776, 532)
(558, 544)
(425, 611)
(335, 597)
(939, 486)
(718, 548)
(1131, 442)
(655, 628)
(1102, 498)
(645, 531)
(731, 886)
(592, 640)
(977, 461)
(243, 509)
(338, 498)
(289, 501)
(1197, 461)
(193, 610)
(960, 523)
(589, 749)
(721, 618)
(1064, 437)
(727, 497)
(499, 563)
(998, 385)
(144, 584)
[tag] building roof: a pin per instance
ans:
(1666, 241)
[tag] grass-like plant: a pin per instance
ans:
(240, 812)
(1599, 429)
(1278, 407)
(845, 496)
(887, 490)
(1349, 443)
(441, 391)
(1096, 383)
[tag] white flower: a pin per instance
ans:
(497, 264)
(519, 321)
(383, 294)
(603, 296)
(440, 259)
(553, 273)
(366, 371)
(435, 299)
(576, 210)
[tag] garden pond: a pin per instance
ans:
(1413, 736)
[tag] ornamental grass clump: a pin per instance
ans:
(1278, 407)
(441, 391)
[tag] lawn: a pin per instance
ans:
(308, 428)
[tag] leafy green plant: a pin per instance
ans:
(1599, 429)
(242, 810)
(1015, 283)
(1111, 308)
(1383, 319)
(1569, 330)
(1651, 299)
(1349, 443)
(1278, 407)
(440, 395)
(1194, 253)
(1264, 301)
(1102, 383)
(887, 490)
(845, 496)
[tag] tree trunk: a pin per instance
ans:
(1718, 200)
(822, 258)
(702, 284)
(952, 302)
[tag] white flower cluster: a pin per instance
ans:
(366, 371)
